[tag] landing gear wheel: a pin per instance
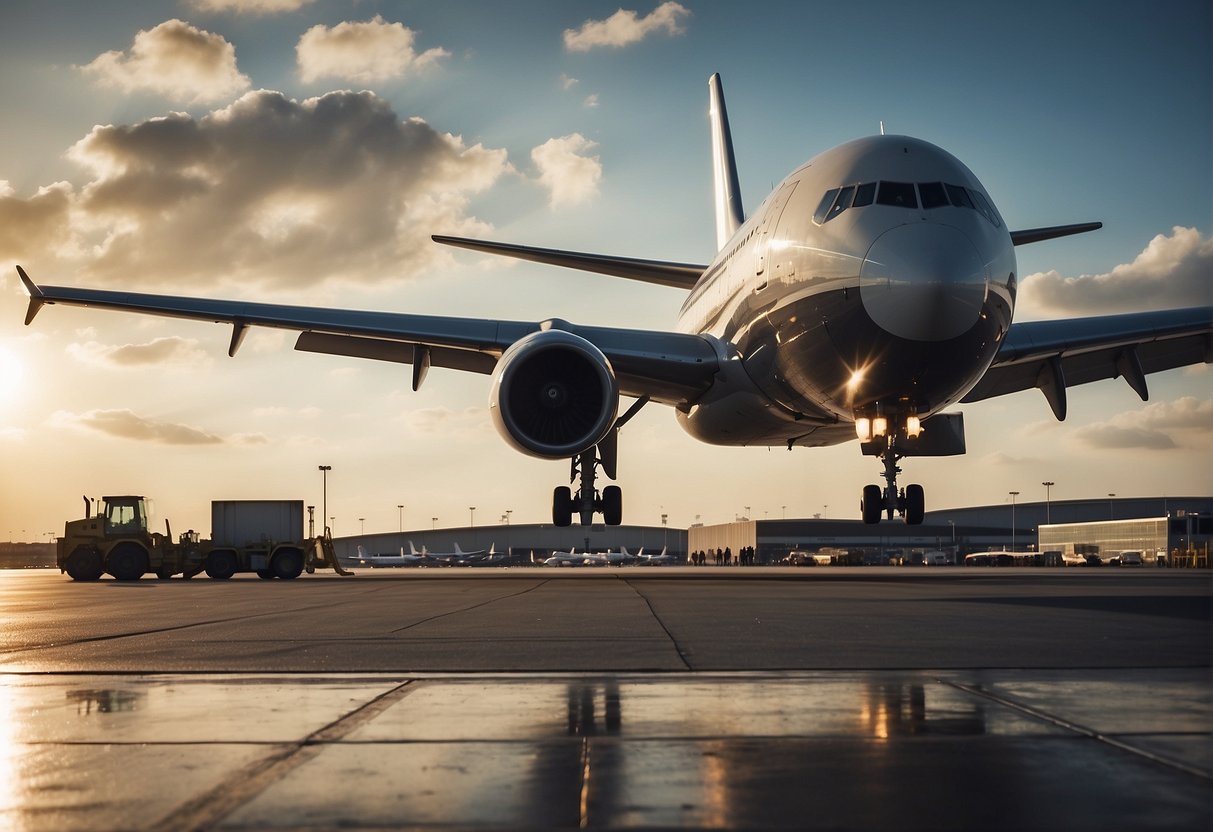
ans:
(84, 564)
(287, 564)
(265, 574)
(127, 562)
(562, 506)
(164, 574)
(221, 565)
(612, 505)
(872, 504)
(915, 505)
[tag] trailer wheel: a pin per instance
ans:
(84, 564)
(221, 565)
(287, 563)
(127, 562)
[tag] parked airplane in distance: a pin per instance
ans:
(663, 558)
(365, 558)
(870, 292)
(457, 557)
(569, 558)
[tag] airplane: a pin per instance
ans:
(414, 558)
(571, 558)
(457, 557)
(663, 558)
(871, 291)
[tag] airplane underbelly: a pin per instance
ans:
(824, 352)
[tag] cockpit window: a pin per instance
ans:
(904, 195)
(897, 193)
(932, 195)
(823, 207)
(959, 196)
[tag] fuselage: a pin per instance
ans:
(878, 278)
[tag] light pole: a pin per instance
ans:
(433, 523)
(1048, 489)
(747, 512)
(400, 519)
(472, 516)
(665, 537)
(324, 502)
(785, 512)
(1013, 494)
(1111, 513)
(362, 526)
(508, 512)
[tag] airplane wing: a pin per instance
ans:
(1054, 355)
(668, 367)
(677, 275)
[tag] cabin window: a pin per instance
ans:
(900, 194)
(932, 195)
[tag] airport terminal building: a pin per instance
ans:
(1180, 527)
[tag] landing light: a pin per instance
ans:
(913, 426)
(863, 429)
(880, 426)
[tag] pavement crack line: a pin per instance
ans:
(673, 641)
(470, 607)
(1082, 730)
(241, 786)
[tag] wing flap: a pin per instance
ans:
(1093, 349)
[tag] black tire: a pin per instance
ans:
(915, 505)
(872, 505)
(612, 505)
(287, 564)
(164, 574)
(126, 562)
(84, 564)
(265, 574)
(562, 506)
(221, 565)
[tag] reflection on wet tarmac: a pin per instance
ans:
(105, 701)
(582, 698)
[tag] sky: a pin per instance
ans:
(302, 152)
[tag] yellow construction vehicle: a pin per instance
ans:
(262, 536)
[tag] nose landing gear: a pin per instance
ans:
(908, 503)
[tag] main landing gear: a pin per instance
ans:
(587, 501)
(908, 503)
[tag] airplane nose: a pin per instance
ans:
(924, 282)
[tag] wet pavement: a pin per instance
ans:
(287, 735)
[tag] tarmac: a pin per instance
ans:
(813, 698)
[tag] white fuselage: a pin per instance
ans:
(823, 315)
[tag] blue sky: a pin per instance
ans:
(1067, 113)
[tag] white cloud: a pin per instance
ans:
(1172, 271)
(125, 424)
(1184, 422)
(432, 422)
(176, 60)
(366, 52)
(590, 101)
(569, 176)
(266, 191)
(567, 83)
(624, 28)
(254, 7)
(172, 350)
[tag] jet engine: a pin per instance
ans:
(554, 395)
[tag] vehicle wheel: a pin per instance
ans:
(221, 565)
(287, 564)
(562, 506)
(872, 504)
(915, 505)
(127, 562)
(265, 574)
(164, 574)
(84, 564)
(612, 505)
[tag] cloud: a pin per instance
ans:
(1172, 271)
(469, 423)
(267, 191)
(172, 350)
(569, 177)
(1186, 422)
(624, 28)
(254, 7)
(590, 101)
(125, 424)
(175, 60)
(567, 83)
(362, 52)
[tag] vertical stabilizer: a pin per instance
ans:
(729, 215)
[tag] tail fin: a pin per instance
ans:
(729, 214)
(458, 551)
(413, 549)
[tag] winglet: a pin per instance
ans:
(729, 214)
(36, 298)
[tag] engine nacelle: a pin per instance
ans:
(554, 395)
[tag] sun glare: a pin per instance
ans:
(11, 374)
